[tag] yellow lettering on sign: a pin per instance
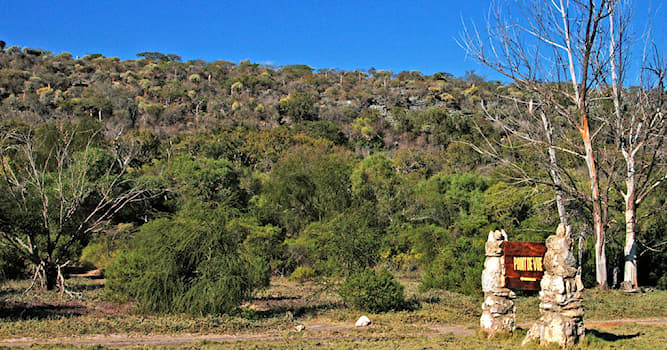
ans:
(527, 263)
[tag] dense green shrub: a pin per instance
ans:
(302, 273)
(12, 264)
(372, 291)
(662, 282)
(347, 243)
(192, 262)
(457, 268)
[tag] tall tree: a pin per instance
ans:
(555, 51)
(638, 126)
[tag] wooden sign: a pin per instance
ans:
(523, 264)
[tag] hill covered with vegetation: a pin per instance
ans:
(202, 179)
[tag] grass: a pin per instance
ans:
(275, 312)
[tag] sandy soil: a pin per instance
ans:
(311, 332)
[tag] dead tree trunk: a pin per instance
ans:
(630, 251)
(598, 226)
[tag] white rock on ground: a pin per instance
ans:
(363, 321)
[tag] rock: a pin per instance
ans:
(300, 328)
(363, 321)
(494, 248)
(497, 305)
(561, 306)
(492, 281)
(498, 308)
(494, 243)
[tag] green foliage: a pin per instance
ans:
(303, 273)
(12, 264)
(204, 178)
(193, 262)
(103, 248)
(309, 184)
(323, 130)
(372, 291)
(346, 243)
(454, 202)
(157, 56)
(298, 106)
(662, 282)
(458, 267)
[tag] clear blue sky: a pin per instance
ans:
(390, 34)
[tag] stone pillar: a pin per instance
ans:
(498, 307)
(561, 297)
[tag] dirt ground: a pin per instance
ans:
(311, 332)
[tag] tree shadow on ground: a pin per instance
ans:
(274, 298)
(22, 311)
(296, 310)
(84, 287)
(611, 337)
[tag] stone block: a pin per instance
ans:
(494, 248)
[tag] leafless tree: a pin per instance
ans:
(568, 58)
(638, 127)
(556, 50)
(58, 194)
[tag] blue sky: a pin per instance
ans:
(394, 35)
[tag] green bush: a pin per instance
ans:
(12, 264)
(302, 273)
(372, 291)
(662, 282)
(458, 267)
(193, 262)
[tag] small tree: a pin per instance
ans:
(298, 106)
(60, 184)
(372, 291)
(194, 262)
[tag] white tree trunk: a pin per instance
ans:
(598, 227)
(630, 251)
(555, 172)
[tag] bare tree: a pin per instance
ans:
(555, 50)
(638, 127)
(59, 189)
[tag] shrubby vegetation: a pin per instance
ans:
(373, 291)
(225, 174)
(193, 262)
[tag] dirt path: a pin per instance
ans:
(312, 332)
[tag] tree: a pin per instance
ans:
(310, 183)
(194, 262)
(298, 106)
(639, 128)
(60, 184)
(556, 53)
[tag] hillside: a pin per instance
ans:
(322, 172)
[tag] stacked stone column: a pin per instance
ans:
(498, 310)
(561, 297)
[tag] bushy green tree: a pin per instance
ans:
(372, 291)
(347, 242)
(310, 183)
(193, 262)
(298, 106)
(458, 267)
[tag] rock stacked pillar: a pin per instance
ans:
(498, 308)
(561, 297)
